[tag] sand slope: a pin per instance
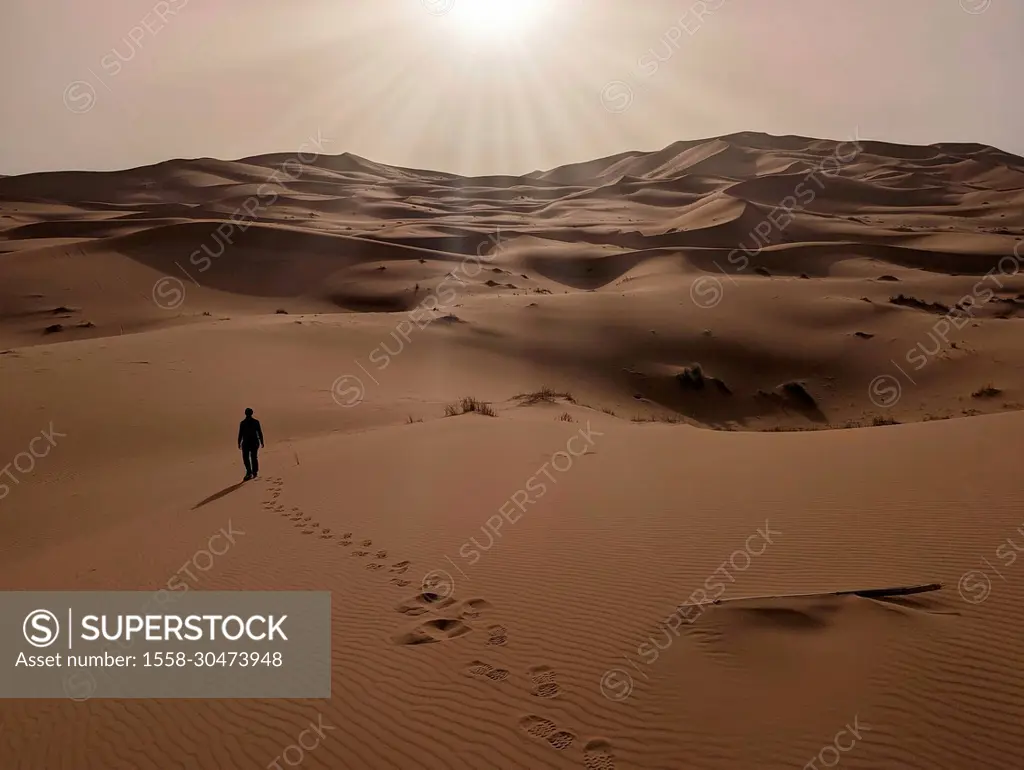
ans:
(555, 641)
(773, 234)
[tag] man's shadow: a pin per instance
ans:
(218, 495)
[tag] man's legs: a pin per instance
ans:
(247, 462)
(255, 461)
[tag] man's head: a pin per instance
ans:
(248, 412)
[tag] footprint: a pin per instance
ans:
(545, 729)
(480, 669)
(423, 602)
(327, 530)
(307, 532)
(438, 630)
(597, 755)
(401, 583)
(471, 608)
(538, 727)
(561, 740)
(381, 555)
(400, 568)
(374, 566)
(360, 553)
(366, 543)
(345, 543)
(545, 684)
(325, 535)
(347, 536)
(498, 635)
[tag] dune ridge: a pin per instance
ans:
(514, 424)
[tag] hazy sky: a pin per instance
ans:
(428, 83)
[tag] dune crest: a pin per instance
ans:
(602, 465)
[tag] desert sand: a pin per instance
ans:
(778, 365)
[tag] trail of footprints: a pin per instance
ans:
(451, 624)
(597, 753)
(308, 526)
(544, 680)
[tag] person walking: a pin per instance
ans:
(250, 441)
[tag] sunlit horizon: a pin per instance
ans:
(478, 87)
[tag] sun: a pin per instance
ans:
(496, 18)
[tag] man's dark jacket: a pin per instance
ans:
(250, 434)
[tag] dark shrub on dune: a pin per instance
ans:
(691, 378)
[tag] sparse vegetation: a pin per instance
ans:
(989, 391)
(412, 420)
(544, 395)
(691, 378)
(565, 417)
(670, 419)
(467, 405)
(608, 411)
(907, 301)
(281, 311)
(879, 421)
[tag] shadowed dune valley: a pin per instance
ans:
(704, 457)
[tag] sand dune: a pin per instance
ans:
(731, 329)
